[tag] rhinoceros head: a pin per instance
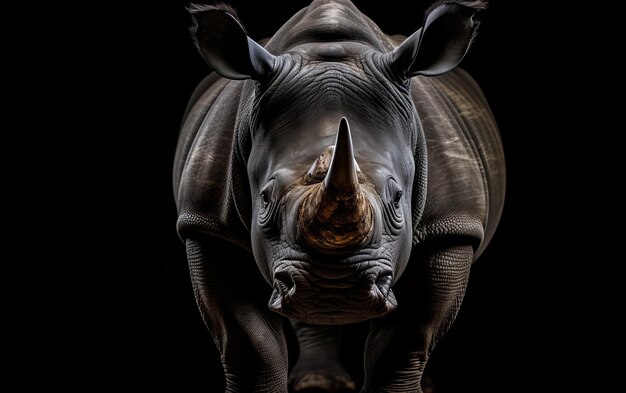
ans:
(336, 158)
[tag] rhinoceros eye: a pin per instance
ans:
(394, 216)
(268, 207)
(265, 198)
(394, 193)
(266, 193)
(396, 199)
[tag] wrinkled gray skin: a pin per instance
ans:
(429, 162)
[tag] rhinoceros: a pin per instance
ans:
(358, 174)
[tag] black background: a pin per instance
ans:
(155, 330)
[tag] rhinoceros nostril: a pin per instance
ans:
(284, 282)
(383, 282)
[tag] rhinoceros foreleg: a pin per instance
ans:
(429, 296)
(249, 337)
(319, 366)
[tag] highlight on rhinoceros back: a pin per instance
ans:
(360, 175)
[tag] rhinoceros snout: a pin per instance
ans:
(330, 296)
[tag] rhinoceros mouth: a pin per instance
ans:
(318, 295)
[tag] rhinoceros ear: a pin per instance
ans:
(440, 45)
(224, 44)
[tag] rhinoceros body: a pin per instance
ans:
(360, 174)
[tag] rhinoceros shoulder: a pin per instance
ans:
(208, 176)
(465, 160)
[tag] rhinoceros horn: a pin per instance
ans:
(335, 215)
